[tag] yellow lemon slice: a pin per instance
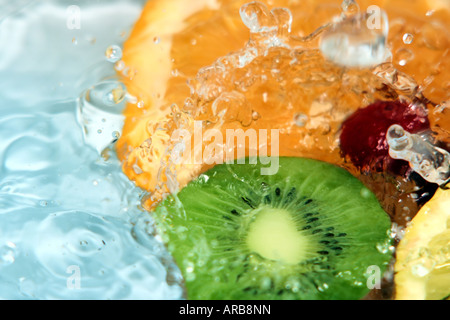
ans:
(422, 269)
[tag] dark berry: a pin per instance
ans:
(363, 135)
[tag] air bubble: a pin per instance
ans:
(156, 40)
(113, 53)
(408, 38)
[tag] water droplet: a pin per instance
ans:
(119, 65)
(419, 270)
(323, 287)
(350, 7)
(365, 193)
(27, 287)
(116, 134)
(190, 276)
(137, 169)
(382, 248)
(408, 38)
(129, 72)
(404, 56)
(440, 108)
(265, 96)
(115, 96)
(265, 283)
(99, 131)
(300, 119)
(257, 17)
(284, 20)
(7, 254)
(43, 203)
(113, 53)
(156, 40)
(84, 243)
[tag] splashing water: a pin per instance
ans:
(230, 92)
(71, 223)
(359, 40)
(55, 169)
(431, 162)
(100, 113)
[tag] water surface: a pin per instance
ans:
(71, 226)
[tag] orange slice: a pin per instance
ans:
(178, 50)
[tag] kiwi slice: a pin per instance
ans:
(310, 231)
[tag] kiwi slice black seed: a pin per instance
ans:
(310, 231)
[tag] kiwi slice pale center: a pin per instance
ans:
(274, 235)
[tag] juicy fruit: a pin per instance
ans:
(296, 91)
(423, 255)
(363, 136)
(308, 232)
(174, 39)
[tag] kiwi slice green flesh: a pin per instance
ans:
(310, 231)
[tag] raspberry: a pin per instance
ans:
(363, 135)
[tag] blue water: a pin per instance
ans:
(71, 226)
